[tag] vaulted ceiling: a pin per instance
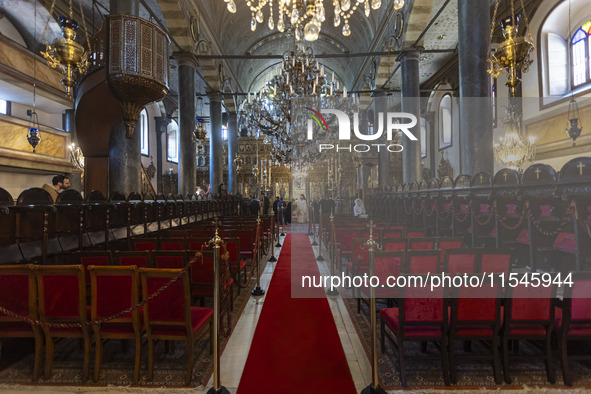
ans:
(234, 59)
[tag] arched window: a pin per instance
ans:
(580, 49)
(564, 51)
(445, 122)
(145, 146)
(172, 138)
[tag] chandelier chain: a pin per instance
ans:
(51, 9)
(84, 25)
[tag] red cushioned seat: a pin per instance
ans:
(475, 315)
(422, 315)
(170, 315)
(575, 319)
(529, 315)
(198, 317)
(391, 317)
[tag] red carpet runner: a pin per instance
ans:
(296, 347)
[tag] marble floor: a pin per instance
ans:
(234, 356)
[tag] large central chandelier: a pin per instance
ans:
(267, 114)
(306, 16)
(512, 151)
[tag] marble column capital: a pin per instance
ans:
(185, 59)
(215, 96)
(410, 53)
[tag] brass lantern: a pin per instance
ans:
(66, 55)
(199, 134)
(33, 135)
(573, 125)
(513, 54)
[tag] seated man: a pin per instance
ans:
(60, 182)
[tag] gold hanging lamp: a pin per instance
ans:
(65, 54)
(513, 54)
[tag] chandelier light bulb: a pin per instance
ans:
(398, 4)
(253, 24)
(281, 25)
(375, 4)
(311, 31)
(346, 30)
(345, 5)
(232, 6)
(271, 23)
(259, 16)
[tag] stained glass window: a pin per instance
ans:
(580, 49)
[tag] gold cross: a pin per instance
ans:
(537, 173)
(581, 165)
(481, 177)
(216, 223)
(505, 176)
(371, 225)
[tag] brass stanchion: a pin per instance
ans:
(310, 219)
(332, 292)
(258, 291)
(217, 387)
(320, 233)
(374, 387)
(272, 258)
(278, 245)
(314, 226)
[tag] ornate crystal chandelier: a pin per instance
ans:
(268, 113)
(306, 16)
(513, 152)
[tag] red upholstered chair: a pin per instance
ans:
(386, 234)
(448, 243)
(98, 257)
(476, 315)
(359, 263)
(237, 265)
(494, 260)
(140, 244)
(394, 244)
(93, 257)
(202, 277)
(345, 249)
(200, 234)
(460, 261)
(62, 299)
(385, 264)
(415, 234)
(529, 315)
(576, 320)
(421, 243)
(169, 316)
(195, 244)
(422, 316)
(175, 259)
(421, 262)
(173, 244)
(178, 234)
(142, 258)
(18, 294)
(115, 289)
